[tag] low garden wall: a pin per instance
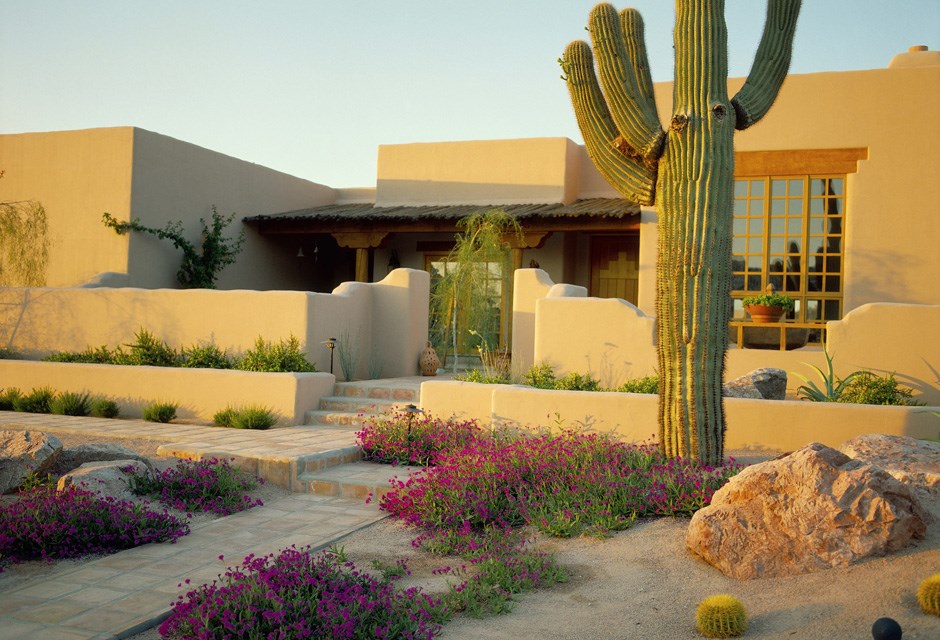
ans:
(781, 425)
(200, 393)
(385, 322)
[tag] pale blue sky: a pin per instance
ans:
(313, 87)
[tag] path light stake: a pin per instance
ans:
(411, 410)
(331, 345)
(688, 173)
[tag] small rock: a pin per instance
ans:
(74, 457)
(25, 452)
(814, 509)
(766, 383)
(106, 478)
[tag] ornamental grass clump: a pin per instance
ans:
(48, 524)
(299, 594)
(402, 437)
(562, 484)
(211, 485)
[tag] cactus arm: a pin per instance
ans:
(631, 24)
(770, 66)
(634, 179)
(634, 114)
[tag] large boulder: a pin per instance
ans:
(25, 452)
(107, 478)
(913, 462)
(74, 457)
(813, 509)
(766, 383)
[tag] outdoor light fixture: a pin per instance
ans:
(411, 410)
(331, 345)
(300, 252)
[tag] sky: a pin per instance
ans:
(312, 87)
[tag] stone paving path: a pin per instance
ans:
(119, 595)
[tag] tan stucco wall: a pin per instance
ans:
(478, 172)
(200, 393)
(752, 424)
(130, 172)
(388, 319)
(76, 175)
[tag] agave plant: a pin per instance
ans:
(832, 385)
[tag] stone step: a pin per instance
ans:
(335, 418)
(398, 392)
(352, 404)
(357, 480)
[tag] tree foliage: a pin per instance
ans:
(201, 265)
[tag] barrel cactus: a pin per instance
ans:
(721, 616)
(928, 595)
(687, 172)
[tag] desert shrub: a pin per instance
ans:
(868, 388)
(36, 401)
(160, 412)
(299, 594)
(7, 353)
(479, 376)
(104, 408)
(8, 398)
(249, 417)
(212, 485)
(285, 356)
(540, 376)
(70, 403)
(577, 382)
(646, 384)
(147, 350)
(389, 439)
(91, 355)
(48, 524)
(207, 356)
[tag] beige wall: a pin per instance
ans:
(200, 393)
(387, 319)
(752, 424)
(130, 172)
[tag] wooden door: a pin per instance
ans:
(615, 266)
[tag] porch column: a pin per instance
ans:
(362, 242)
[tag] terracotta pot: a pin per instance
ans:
(761, 313)
(429, 362)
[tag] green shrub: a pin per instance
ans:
(868, 388)
(160, 412)
(104, 408)
(8, 398)
(91, 355)
(10, 354)
(480, 377)
(646, 384)
(249, 417)
(147, 350)
(540, 376)
(577, 382)
(207, 356)
(285, 356)
(69, 403)
(36, 401)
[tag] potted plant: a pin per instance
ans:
(768, 307)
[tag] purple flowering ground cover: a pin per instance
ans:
(46, 524)
(300, 594)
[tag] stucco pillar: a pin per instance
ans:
(362, 242)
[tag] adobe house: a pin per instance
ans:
(835, 203)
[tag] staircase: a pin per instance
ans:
(349, 406)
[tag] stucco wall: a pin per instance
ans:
(200, 393)
(751, 424)
(387, 319)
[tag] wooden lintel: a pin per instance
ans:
(528, 239)
(798, 162)
(359, 239)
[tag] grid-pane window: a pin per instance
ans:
(788, 232)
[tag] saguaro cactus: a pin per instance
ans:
(688, 173)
